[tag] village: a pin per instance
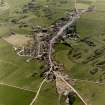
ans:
(52, 52)
(42, 47)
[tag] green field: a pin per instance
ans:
(21, 17)
(12, 66)
(14, 96)
(91, 25)
(16, 73)
(89, 64)
(14, 70)
(48, 95)
(93, 93)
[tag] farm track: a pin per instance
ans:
(38, 91)
(93, 82)
(8, 62)
(17, 87)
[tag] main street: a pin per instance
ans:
(76, 15)
(72, 20)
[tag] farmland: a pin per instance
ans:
(83, 58)
(23, 15)
(82, 62)
(6, 98)
(20, 80)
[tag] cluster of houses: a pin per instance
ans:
(38, 48)
(63, 89)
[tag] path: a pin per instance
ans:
(95, 82)
(37, 94)
(5, 84)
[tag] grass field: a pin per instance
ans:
(44, 14)
(13, 96)
(92, 92)
(14, 71)
(92, 27)
(48, 95)
(12, 66)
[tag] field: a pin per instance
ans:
(17, 96)
(14, 71)
(93, 93)
(21, 16)
(20, 80)
(12, 66)
(94, 31)
(85, 62)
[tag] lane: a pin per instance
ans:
(93, 82)
(56, 37)
(72, 20)
(8, 62)
(5, 84)
(51, 64)
(71, 87)
(38, 91)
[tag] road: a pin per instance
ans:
(60, 33)
(73, 19)
(57, 36)
(51, 64)
(71, 87)
(37, 94)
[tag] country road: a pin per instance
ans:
(73, 19)
(71, 87)
(60, 33)
(37, 94)
(52, 41)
